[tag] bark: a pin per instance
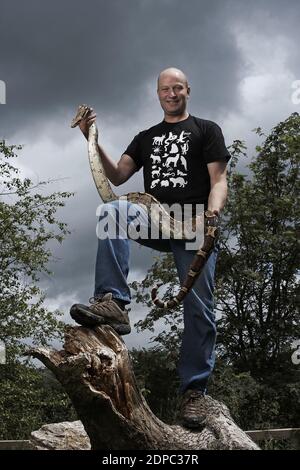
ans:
(95, 370)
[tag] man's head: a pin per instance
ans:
(173, 91)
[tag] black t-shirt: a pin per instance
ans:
(174, 158)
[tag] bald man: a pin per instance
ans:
(184, 161)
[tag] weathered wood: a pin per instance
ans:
(95, 370)
(291, 434)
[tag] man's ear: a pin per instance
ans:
(188, 91)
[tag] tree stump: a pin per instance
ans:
(95, 370)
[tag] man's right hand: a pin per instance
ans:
(86, 123)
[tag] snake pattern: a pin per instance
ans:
(168, 226)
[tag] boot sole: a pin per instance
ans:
(84, 317)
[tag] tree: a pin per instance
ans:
(29, 398)
(257, 273)
(28, 224)
(150, 368)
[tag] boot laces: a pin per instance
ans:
(193, 400)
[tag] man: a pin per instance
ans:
(184, 160)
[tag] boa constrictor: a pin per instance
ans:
(167, 225)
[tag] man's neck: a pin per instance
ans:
(178, 118)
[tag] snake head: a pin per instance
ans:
(82, 112)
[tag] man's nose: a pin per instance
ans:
(172, 93)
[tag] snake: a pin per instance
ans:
(168, 226)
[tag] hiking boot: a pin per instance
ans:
(102, 311)
(192, 413)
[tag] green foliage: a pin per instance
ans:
(28, 225)
(272, 402)
(30, 398)
(150, 368)
(257, 283)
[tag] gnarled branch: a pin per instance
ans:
(95, 370)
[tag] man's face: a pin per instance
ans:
(173, 94)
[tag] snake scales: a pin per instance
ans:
(167, 225)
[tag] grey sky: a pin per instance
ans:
(240, 57)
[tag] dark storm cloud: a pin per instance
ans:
(273, 18)
(58, 54)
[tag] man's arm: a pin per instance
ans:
(218, 186)
(117, 173)
(126, 168)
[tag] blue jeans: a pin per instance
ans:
(197, 352)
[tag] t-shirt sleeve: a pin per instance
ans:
(214, 145)
(133, 150)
